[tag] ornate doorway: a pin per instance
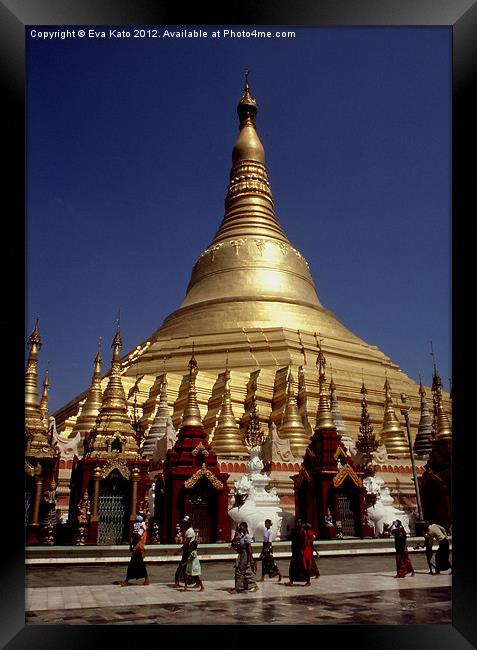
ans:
(201, 511)
(113, 510)
(346, 515)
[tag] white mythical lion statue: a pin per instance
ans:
(68, 446)
(253, 503)
(383, 511)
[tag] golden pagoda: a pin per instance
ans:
(392, 434)
(292, 427)
(92, 404)
(251, 295)
(41, 457)
(37, 443)
(113, 432)
(227, 441)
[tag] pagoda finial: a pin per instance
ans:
(227, 440)
(441, 424)
(191, 415)
(292, 427)
(423, 441)
(324, 418)
(90, 409)
(44, 399)
(98, 359)
(247, 107)
(116, 346)
(392, 435)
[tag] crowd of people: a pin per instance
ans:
(303, 564)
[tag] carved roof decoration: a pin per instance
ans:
(115, 463)
(345, 472)
(204, 472)
(200, 448)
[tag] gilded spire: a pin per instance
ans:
(423, 442)
(33, 414)
(254, 435)
(340, 425)
(227, 440)
(366, 443)
(191, 415)
(159, 424)
(113, 432)
(249, 205)
(292, 428)
(37, 444)
(392, 435)
(324, 419)
(44, 400)
(443, 430)
(92, 404)
(32, 397)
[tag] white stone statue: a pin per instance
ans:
(277, 449)
(254, 504)
(383, 511)
(381, 455)
(165, 442)
(68, 446)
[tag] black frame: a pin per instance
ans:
(461, 16)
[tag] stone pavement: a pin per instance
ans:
(353, 598)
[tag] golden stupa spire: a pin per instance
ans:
(249, 206)
(191, 415)
(423, 442)
(324, 418)
(227, 440)
(94, 399)
(44, 399)
(37, 444)
(33, 414)
(292, 427)
(443, 429)
(113, 432)
(392, 435)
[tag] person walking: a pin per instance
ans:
(188, 536)
(308, 554)
(245, 565)
(269, 566)
(403, 563)
(193, 570)
(427, 545)
(136, 567)
(438, 533)
(297, 571)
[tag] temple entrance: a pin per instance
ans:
(113, 510)
(202, 511)
(346, 515)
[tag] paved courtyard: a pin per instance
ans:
(349, 591)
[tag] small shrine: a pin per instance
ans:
(329, 491)
(109, 484)
(41, 456)
(192, 482)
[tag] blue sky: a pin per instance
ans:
(128, 155)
